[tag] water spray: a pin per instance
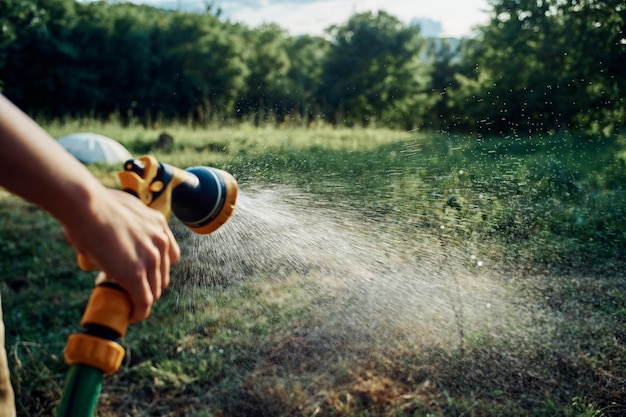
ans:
(202, 198)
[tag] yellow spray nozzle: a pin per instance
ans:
(202, 197)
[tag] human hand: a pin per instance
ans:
(131, 243)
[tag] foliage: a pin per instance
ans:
(267, 85)
(305, 54)
(547, 66)
(542, 66)
(373, 72)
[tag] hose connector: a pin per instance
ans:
(84, 349)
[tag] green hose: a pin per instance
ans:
(81, 392)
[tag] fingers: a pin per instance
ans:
(156, 273)
(174, 249)
(167, 253)
(141, 299)
(132, 244)
(173, 254)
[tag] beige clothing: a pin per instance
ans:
(7, 399)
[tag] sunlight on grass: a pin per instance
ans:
(365, 272)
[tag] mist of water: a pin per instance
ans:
(373, 278)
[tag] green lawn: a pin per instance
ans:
(364, 273)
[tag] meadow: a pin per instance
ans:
(365, 272)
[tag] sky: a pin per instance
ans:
(450, 18)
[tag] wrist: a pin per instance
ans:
(78, 203)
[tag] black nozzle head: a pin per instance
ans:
(206, 201)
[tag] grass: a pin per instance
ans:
(545, 213)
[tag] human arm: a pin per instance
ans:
(128, 241)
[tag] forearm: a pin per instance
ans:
(28, 155)
(130, 242)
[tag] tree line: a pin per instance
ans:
(537, 65)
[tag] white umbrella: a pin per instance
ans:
(91, 147)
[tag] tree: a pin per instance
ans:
(37, 53)
(198, 69)
(115, 58)
(267, 83)
(62, 57)
(374, 73)
(306, 53)
(16, 15)
(547, 65)
(597, 64)
(447, 62)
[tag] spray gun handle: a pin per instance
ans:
(107, 315)
(203, 198)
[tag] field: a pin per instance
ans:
(365, 272)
